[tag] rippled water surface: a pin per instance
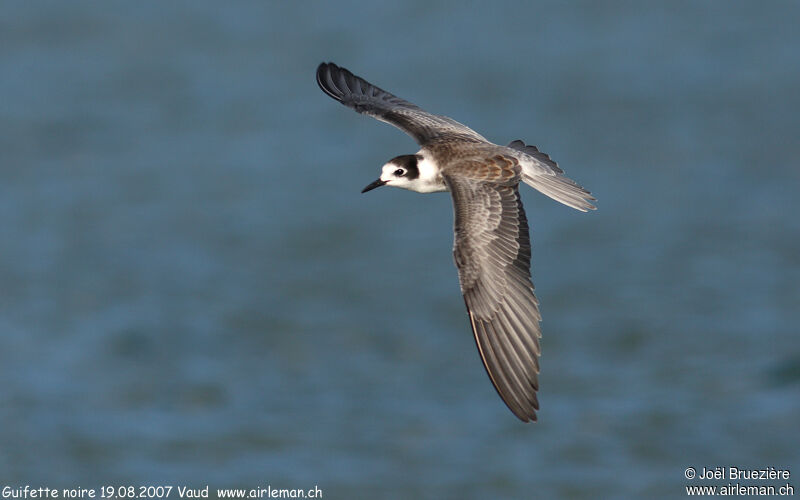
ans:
(195, 293)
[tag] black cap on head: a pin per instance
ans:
(409, 163)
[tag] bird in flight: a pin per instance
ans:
(492, 247)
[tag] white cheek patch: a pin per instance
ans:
(387, 173)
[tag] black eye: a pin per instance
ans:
(399, 172)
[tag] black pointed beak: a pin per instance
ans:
(373, 185)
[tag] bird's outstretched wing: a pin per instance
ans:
(357, 93)
(493, 255)
(544, 175)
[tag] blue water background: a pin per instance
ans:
(193, 291)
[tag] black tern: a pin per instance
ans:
(492, 243)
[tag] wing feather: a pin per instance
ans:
(492, 254)
(360, 95)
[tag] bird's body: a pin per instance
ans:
(492, 243)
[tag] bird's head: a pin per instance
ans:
(401, 172)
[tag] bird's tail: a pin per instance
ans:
(544, 175)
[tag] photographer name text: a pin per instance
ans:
(739, 473)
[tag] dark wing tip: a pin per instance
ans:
(343, 85)
(355, 92)
(326, 75)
